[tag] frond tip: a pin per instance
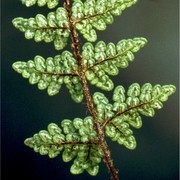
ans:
(51, 73)
(77, 140)
(127, 109)
(53, 28)
(104, 59)
(97, 14)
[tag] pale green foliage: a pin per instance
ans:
(54, 28)
(97, 14)
(76, 140)
(103, 59)
(51, 73)
(127, 109)
(99, 60)
(50, 3)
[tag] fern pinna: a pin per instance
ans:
(83, 140)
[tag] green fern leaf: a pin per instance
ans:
(51, 73)
(76, 140)
(97, 14)
(103, 59)
(104, 108)
(83, 140)
(128, 108)
(53, 28)
(50, 3)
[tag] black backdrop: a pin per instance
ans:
(26, 110)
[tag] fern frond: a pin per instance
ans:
(127, 109)
(83, 140)
(97, 14)
(76, 140)
(51, 73)
(54, 27)
(50, 3)
(103, 59)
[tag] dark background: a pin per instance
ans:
(26, 110)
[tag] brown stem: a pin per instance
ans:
(74, 35)
(90, 104)
(110, 58)
(102, 141)
(51, 28)
(122, 112)
(95, 142)
(95, 15)
(57, 74)
(77, 142)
